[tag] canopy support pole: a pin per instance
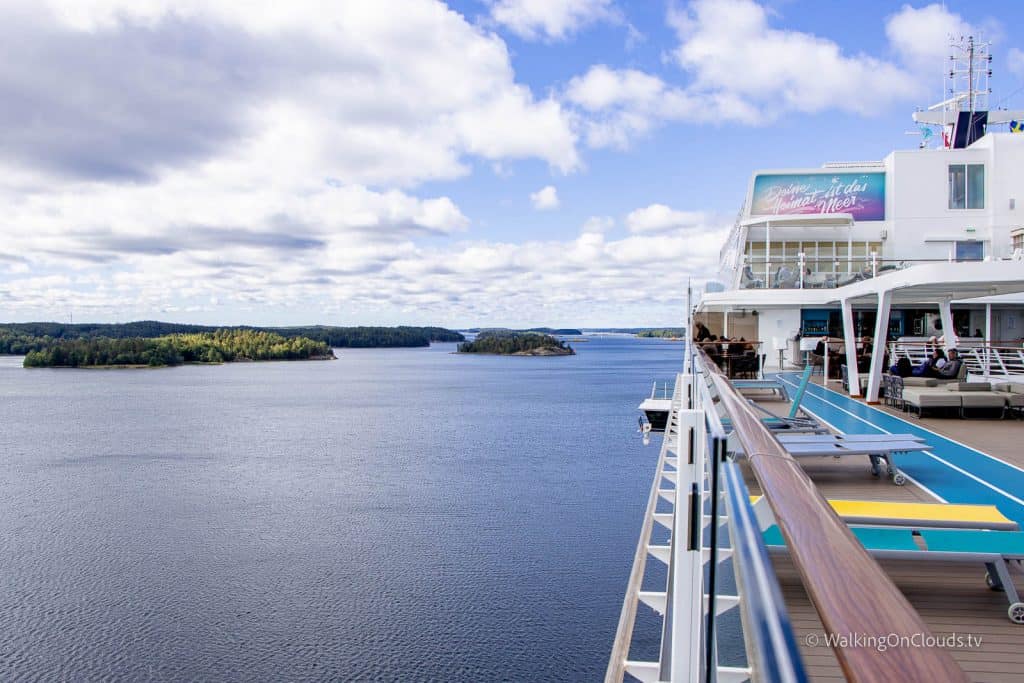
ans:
(878, 352)
(948, 331)
(851, 349)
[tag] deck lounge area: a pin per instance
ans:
(952, 598)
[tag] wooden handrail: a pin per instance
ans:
(851, 593)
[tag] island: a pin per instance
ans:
(517, 344)
(664, 333)
(221, 346)
(561, 331)
(22, 338)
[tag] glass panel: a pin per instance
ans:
(970, 250)
(957, 186)
(975, 186)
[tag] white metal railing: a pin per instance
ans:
(706, 495)
(981, 359)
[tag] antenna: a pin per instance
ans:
(964, 115)
(969, 73)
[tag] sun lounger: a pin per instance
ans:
(877, 447)
(912, 515)
(772, 385)
(994, 549)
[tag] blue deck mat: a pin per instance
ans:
(870, 537)
(939, 468)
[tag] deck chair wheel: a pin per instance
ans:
(899, 479)
(1016, 612)
(993, 584)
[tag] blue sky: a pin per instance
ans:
(498, 162)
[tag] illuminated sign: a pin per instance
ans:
(860, 194)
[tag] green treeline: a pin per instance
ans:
(514, 342)
(663, 332)
(222, 346)
(20, 343)
(21, 338)
(371, 337)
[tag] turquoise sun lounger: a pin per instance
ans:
(995, 549)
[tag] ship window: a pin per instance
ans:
(967, 186)
(970, 250)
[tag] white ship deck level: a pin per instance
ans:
(935, 596)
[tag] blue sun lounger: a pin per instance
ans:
(878, 448)
(995, 549)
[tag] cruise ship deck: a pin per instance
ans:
(969, 461)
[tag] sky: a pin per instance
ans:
(480, 162)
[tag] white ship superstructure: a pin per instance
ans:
(935, 234)
(773, 548)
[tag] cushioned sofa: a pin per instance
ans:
(932, 394)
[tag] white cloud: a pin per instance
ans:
(660, 218)
(261, 169)
(1015, 61)
(730, 49)
(603, 87)
(545, 198)
(619, 105)
(921, 35)
(598, 224)
(550, 19)
(357, 269)
(737, 67)
(340, 88)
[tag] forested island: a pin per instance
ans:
(517, 344)
(561, 331)
(222, 346)
(664, 332)
(20, 338)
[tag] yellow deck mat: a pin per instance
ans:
(923, 514)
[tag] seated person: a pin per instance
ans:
(924, 369)
(903, 367)
(951, 369)
(864, 359)
(819, 348)
(936, 360)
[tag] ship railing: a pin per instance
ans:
(663, 391)
(699, 559)
(715, 549)
(820, 273)
(983, 359)
(827, 555)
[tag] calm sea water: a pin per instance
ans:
(393, 515)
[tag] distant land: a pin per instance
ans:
(21, 338)
(222, 346)
(638, 331)
(564, 331)
(517, 344)
(577, 332)
(664, 332)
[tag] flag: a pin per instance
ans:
(1017, 126)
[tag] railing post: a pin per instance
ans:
(688, 637)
